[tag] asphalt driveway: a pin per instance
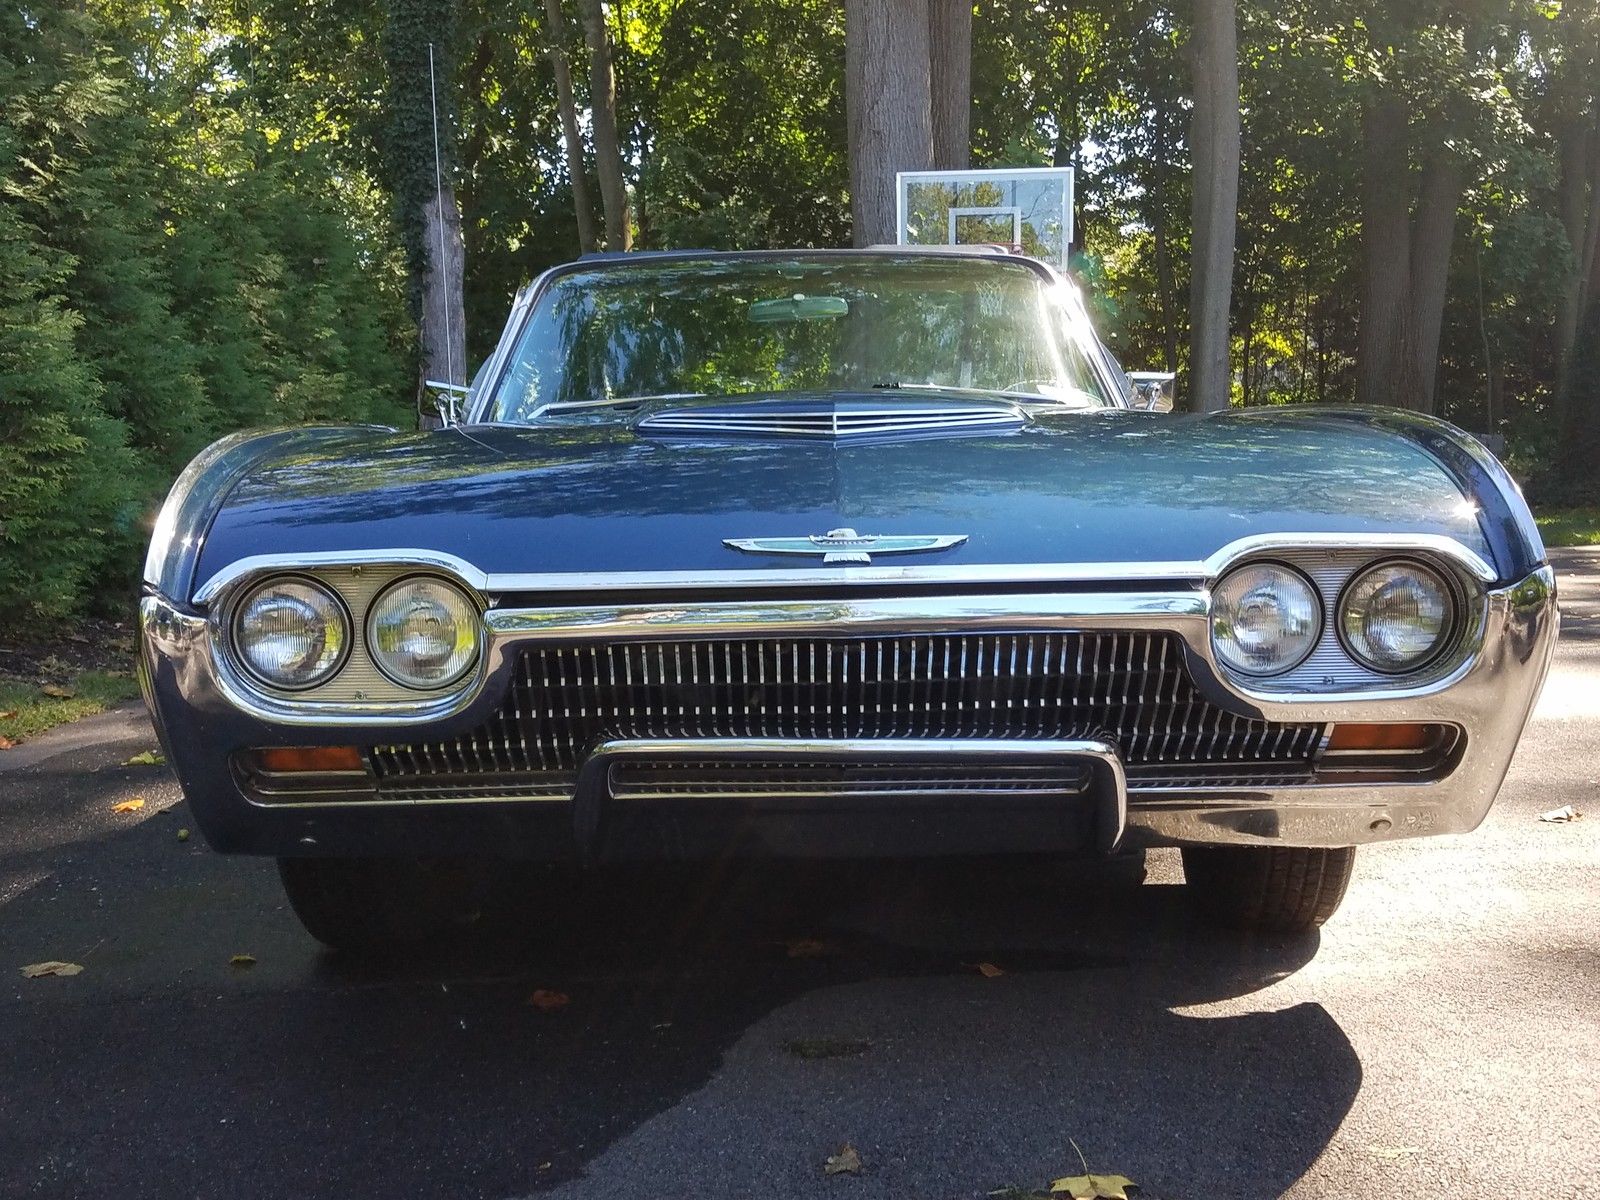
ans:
(727, 1030)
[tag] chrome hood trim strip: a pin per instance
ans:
(783, 577)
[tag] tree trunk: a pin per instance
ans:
(1443, 182)
(1164, 289)
(1406, 271)
(1214, 140)
(1322, 356)
(444, 324)
(1247, 336)
(1382, 336)
(1163, 249)
(1589, 277)
(1581, 219)
(571, 136)
(888, 107)
(603, 110)
(1573, 202)
(950, 82)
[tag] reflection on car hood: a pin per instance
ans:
(1086, 487)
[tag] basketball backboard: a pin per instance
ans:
(1026, 208)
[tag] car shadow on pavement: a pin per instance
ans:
(724, 1028)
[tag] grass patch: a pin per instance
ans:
(1570, 526)
(25, 710)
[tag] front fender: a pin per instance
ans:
(199, 492)
(1507, 522)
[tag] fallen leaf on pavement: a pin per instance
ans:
(183, 835)
(6, 743)
(1561, 815)
(827, 1047)
(40, 970)
(242, 960)
(148, 758)
(549, 1000)
(1093, 1187)
(809, 948)
(987, 969)
(848, 1160)
(57, 692)
(127, 806)
(1392, 1153)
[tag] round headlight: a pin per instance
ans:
(423, 633)
(1265, 618)
(291, 633)
(1396, 616)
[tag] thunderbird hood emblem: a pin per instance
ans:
(846, 545)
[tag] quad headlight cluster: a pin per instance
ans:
(293, 633)
(1394, 617)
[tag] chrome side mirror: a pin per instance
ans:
(1150, 390)
(447, 400)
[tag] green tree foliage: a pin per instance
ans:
(63, 461)
(174, 268)
(739, 113)
(208, 213)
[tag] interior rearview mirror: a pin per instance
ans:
(799, 308)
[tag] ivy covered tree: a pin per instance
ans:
(419, 46)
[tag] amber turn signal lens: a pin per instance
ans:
(309, 758)
(1380, 737)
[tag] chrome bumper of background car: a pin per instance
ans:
(1487, 697)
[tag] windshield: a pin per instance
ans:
(609, 337)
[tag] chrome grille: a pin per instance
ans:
(1129, 688)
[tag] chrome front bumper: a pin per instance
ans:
(1488, 695)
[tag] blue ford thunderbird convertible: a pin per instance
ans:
(867, 553)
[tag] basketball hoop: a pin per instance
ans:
(1026, 210)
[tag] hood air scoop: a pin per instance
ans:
(833, 418)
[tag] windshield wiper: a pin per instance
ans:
(560, 406)
(1031, 397)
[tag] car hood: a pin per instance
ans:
(1082, 487)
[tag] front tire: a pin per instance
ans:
(1275, 889)
(366, 904)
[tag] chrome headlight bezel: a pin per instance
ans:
(1310, 639)
(471, 614)
(335, 605)
(1449, 628)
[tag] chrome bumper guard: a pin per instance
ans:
(791, 771)
(1488, 698)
